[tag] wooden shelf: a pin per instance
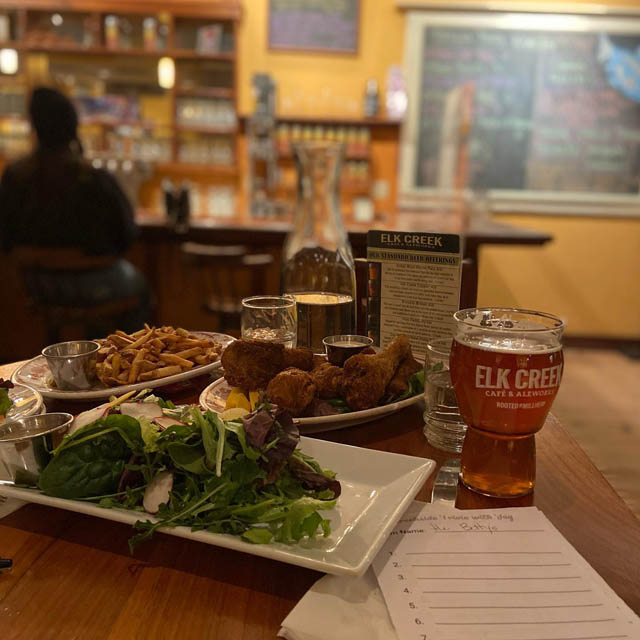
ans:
(288, 156)
(204, 129)
(109, 51)
(187, 54)
(206, 92)
(345, 121)
(210, 169)
(106, 122)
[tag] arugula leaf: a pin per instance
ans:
(189, 457)
(258, 536)
(416, 383)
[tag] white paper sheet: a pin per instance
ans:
(504, 574)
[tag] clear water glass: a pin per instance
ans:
(271, 318)
(443, 425)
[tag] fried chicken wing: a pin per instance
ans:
(300, 358)
(251, 364)
(400, 381)
(366, 376)
(293, 390)
(328, 380)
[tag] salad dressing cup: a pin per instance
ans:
(26, 445)
(73, 364)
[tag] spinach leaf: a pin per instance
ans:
(91, 460)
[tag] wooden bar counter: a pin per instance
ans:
(73, 576)
(157, 252)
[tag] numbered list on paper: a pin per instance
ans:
(502, 574)
(413, 285)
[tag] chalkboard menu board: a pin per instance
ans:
(320, 25)
(553, 111)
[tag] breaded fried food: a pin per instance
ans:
(300, 358)
(366, 376)
(293, 390)
(251, 364)
(400, 381)
(328, 380)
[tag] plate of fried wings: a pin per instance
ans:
(150, 358)
(320, 396)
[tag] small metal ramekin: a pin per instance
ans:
(338, 353)
(72, 364)
(26, 445)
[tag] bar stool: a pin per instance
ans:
(226, 275)
(69, 289)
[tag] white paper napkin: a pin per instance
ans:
(340, 608)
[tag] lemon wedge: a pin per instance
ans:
(254, 398)
(237, 400)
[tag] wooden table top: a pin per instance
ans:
(73, 576)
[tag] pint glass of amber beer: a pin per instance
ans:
(506, 367)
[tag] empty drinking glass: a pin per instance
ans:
(271, 318)
(443, 426)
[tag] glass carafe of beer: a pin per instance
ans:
(318, 268)
(506, 367)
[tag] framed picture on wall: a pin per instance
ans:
(329, 26)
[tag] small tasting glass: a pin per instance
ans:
(271, 318)
(443, 426)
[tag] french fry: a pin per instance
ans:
(142, 339)
(163, 372)
(135, 365)
(120, 341)
(172, 358)
(115, 364)
(190, 353)
(194, 342)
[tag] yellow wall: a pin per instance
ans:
(589, 274)
(314, 83)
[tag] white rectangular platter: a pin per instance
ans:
(377, 487)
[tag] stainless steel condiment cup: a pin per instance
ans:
(26, 445)
(72, 364)
(340, 348)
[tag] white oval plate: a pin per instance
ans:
(35, 373)
(215, 395)
(26, 402)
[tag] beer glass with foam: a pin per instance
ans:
(506, 367)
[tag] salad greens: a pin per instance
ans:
(244, 477)
(5, 401)
(416, 387)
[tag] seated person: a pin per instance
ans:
(54, 198)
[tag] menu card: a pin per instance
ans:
(413, 286)
(494, 575)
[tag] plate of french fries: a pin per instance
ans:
(146, 359)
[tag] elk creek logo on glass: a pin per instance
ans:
(534, 381)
